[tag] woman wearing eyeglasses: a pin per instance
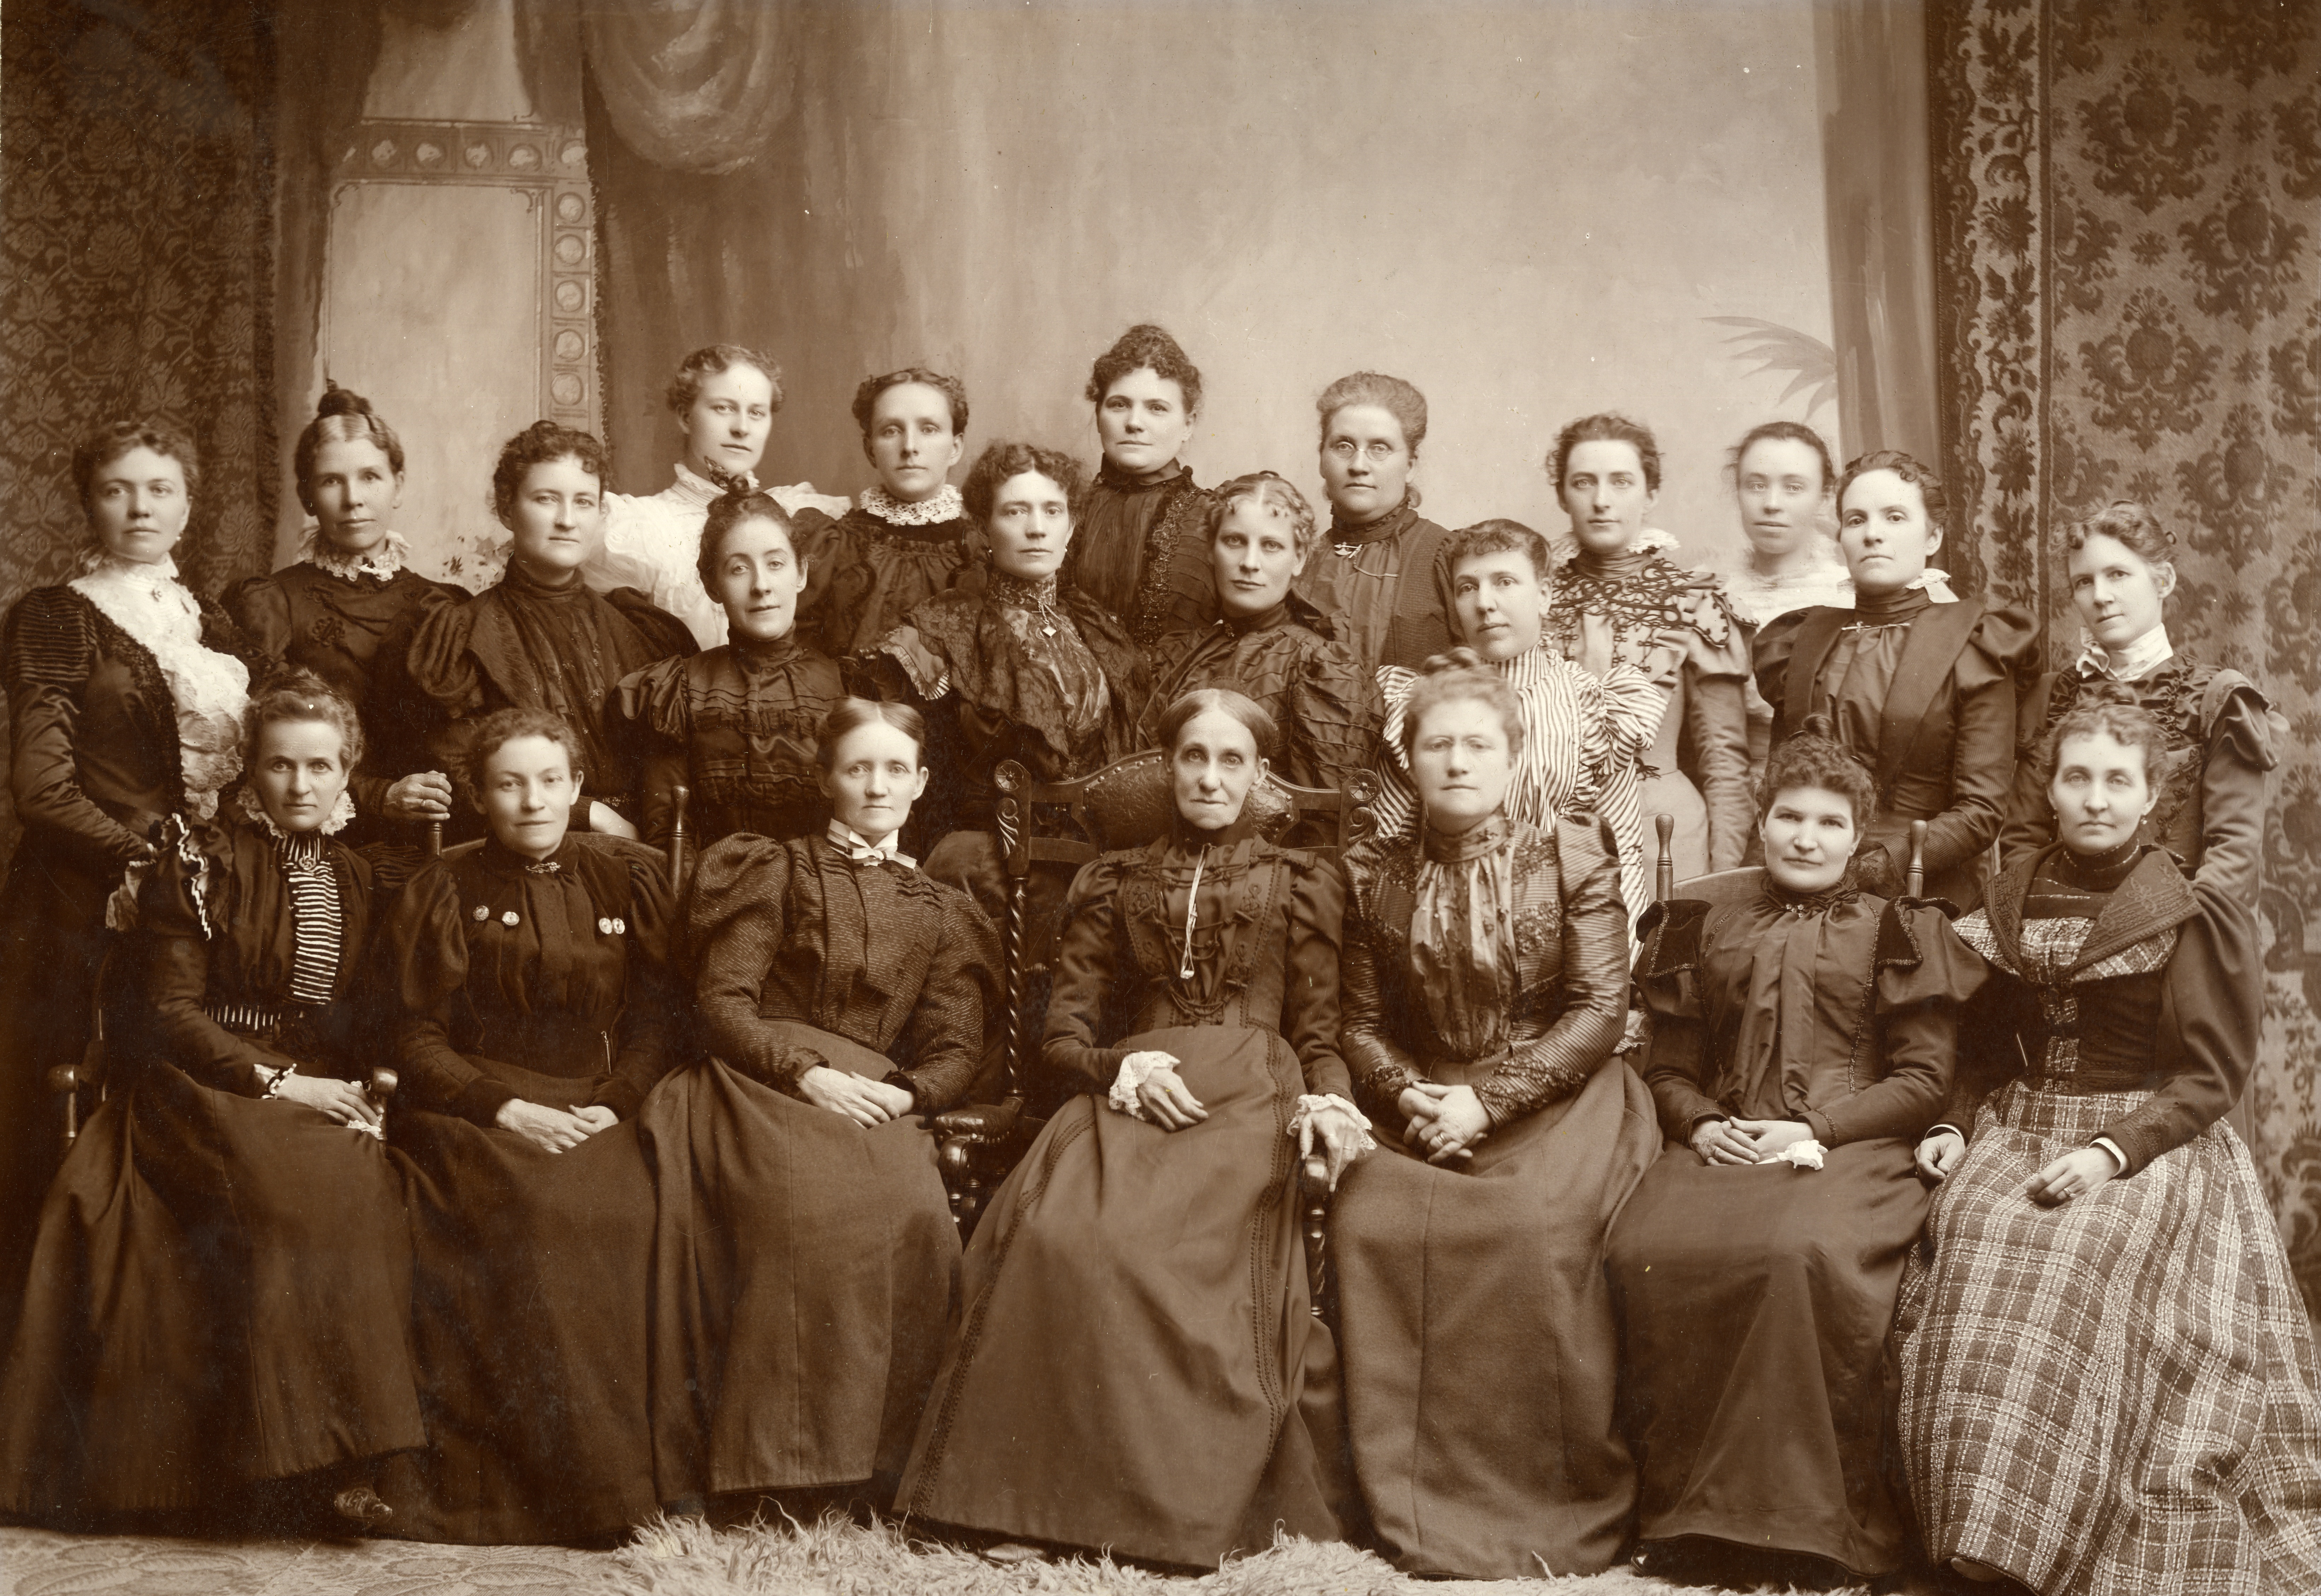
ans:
(1379, 575)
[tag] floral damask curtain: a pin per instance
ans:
(2129, 279)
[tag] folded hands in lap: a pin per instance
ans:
(868, 1103)
(553, 1130)
(1445, 1121)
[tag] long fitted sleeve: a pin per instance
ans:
(177, 978)
(1087, 974)
(1595, 980)
(735, 954)
(1716, 727)
(1311, 1018)
(944, 1036)
(48, 654)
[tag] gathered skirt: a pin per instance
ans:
(2116, 1394)
(806, 1278)
(1755, 1305)
(1481, 1356)
(220, 1297)
(1137, 1366)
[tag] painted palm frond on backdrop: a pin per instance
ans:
(1810, 362)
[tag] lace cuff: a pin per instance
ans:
(1136, 1070)
(1301, 1119)
(274, 1079)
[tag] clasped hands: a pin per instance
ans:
(1445, 1122)
(868, 1103)
(553, 1130)
(342, 1100)
(1747, 1140)
(2074, 1174)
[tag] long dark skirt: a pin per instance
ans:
(1480, 1346)
(1755, 1304)
(1137, 1367)
(806, 1278)
(219, 1296)
(534, 1274)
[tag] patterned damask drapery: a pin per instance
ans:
(2129, 279)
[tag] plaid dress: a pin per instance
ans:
(2116, 1393)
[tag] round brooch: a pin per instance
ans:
(482, 913)
(510, 918)
(620, 926)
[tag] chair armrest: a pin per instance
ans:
(1314, 1213)
(979, 1122)
(382, 1085)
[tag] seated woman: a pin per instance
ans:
(2210, 809)
(1812, 1015)
(1379, 580)
(1922, 690)
(219, 1304)
(724, 397)
(736, 724)
(542, 638)
(910, 536)
(1617, 596)
(346, 609)
(1140, 552)
(2108, 1380)
(1137, 1367)
(534, 1011)
(807, 1270)
(1486, 986)
(1271, 645)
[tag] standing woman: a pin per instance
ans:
(1271, 645)
(126, 695)
(2210, 806)
(1811, 1013)
(910, 536)
(533, 1010)
(1380, 579)
(806, 1272)
(1486, 984)
(220, 1305)
(1617, 597)
(1140, 552)
(736, 724)
(1138, 1367)
(540, 638)
(1921, 690)
(346, 609)
(2108, 1380)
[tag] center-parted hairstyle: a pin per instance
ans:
(1606, 426)
(101, 447)
(2133, 525)
(294, 693)
(1263, 730)
(1392, 395)
(1271, 491)
(539, 444)
(1145, 346)
(1461, 676)
(954, 393)
(1497, 537)
(1812, 756)
(738, 507)
(1003, 461)
(709, 360)
(1910, 470)
(853, 714)
(2107, 708)
(1784, 432)
(343, 417)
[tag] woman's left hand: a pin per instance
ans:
(419, 798)
(1773, 1135)
(2075, 1174)
(1460, 1121)
(596, 1118)
(1342, 1135)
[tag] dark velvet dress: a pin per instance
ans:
(1755, 1299)
(1924, 694)
(534, 1268)
(354, 631)
(524, 644)
(807, 1270)
(1476, 1324)
(1385, 588)
(1140, 550)
(221, 1294)
(1137, 1366)
(737, 725)
(2119, 1393)
(1323, 700)
(871, 566)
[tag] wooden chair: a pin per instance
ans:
(1719, 888)
(1125, 804)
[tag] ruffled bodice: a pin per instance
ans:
(208, 687)
(1140, 549)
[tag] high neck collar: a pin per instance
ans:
(760, 655)
(530, 587)
(1899, 604)
(297, 844)
(1846, 887)
(2137, 661)
(1264, 620)
(1399, 519)
(1041, 595)
(1108, 475)
(509, 862)
(943, 504)
(1610, 567)
(1486, 836)
(2101, 873)
(698, 490)
(1185, 838)
(138, 573)
(383, 559)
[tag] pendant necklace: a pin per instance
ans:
(1192, 909)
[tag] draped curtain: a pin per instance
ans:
(2129, 290)
(694, 86)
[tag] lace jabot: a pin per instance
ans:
(254, 811)
(209, 689)
(385, 560)
(943, 505)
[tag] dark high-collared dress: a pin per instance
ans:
(868, 567)
(1141, 550)
(1384, 587)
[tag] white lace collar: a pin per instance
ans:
(2137, 661)
(253, 811)
(943, 505)
(382, 559)
(209, 688)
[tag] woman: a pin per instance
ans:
(1271, 645)
(1486, 984)
(807, 1267)
(1812, 1020)
(1786, 488)
(736, 724)
(1137, 1367)
(1025, 667)
(1921, 690)
(533, 1011)
(345, 610)
(219, 1308)
(724, 397)
(910, 537)
(1618, 597)
(1140, 553)
(126, 695)
(2210, 809)
(2108, 1380)
(1380, 579)
(540, 638)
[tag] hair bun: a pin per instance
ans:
(1460, 658)
(1817, 725)
(341, 401)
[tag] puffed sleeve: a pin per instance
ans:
(1595, 977)
(1982, 741)
(648, 1037)
(737, 915)
(438, 665)
(1310, 1006)
(1924, 974)
(262, 610)
(670, 636)
(426, 951)
(1768, 656)
(944, 1037)
(1382, 1067)
(1089, 960)
(1397, 800)
(653, 712)
(182, 904)
(48, 652)
(1717, 718)
(1667, 977)
(2236, 724)
(2211, 1016)
(1331, 713)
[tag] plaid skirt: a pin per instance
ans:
(2117, 1394)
